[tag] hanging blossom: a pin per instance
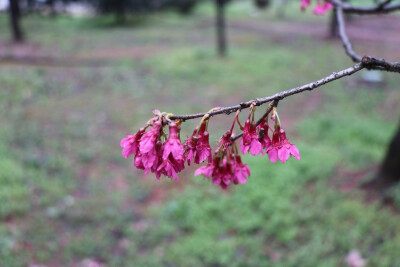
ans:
(320, 8)
(164, 155)
(280, 147)
(173, 160)
(197, 147)
(227, 165)
(250, 142)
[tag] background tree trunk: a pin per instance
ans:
(390, 169)
(389, 173)
(220, 27)
(333, 27)
(15, 15)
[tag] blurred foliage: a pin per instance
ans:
(67, 194)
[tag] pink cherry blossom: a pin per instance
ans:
(190, 145)
(172, 154)
(137, 162)
(225, 141)
(286, 148)
(147, 146)
(281, 148)
(218, 170)
(272, 150)
(197, 146)
(250, 140)
(173, 146)
(304, 4)
(208, 169)
(241, 171)
(203, 149)
(265, 139)
(223, 175)
(322, 8)
(226, 167)
(130, 144)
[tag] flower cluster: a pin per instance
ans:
(320, 8)
(155, 151)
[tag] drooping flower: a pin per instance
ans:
(224, 174)
(225, 141)
(208, 169)
(225, 168)
(264, 138)
(137, 162)
(241, 171)
(286, 148)
(147, 146)
(250, 136)
(172, 154)
(130, 144)
(281, 148)
(322, 8)
(197, 147)
(203, 149)
(173, 146)
(272, 150)
(190, 145)
(304, 4)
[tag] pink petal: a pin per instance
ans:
(255, 147)
(283, 154)
(273, 154)
(295, 152)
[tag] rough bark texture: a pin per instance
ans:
(220, 26)
(15, 15)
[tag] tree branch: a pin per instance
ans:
(383, 7)
(369, 63)
(343, 36)
(378, 64)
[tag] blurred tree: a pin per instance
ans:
(389, 173)
(390, 170)
(123, 7)
(261, 4)
(220, 25)
(15, 16)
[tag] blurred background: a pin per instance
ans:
(77, 76)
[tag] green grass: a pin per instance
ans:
(67, 194)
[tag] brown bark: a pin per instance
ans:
(390, 169)
(15, 15)
(221, 27)
(389, 173)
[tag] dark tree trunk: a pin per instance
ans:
(389, 173)
(221, 27)
(390, 169)
(333, 27)
(15, 15)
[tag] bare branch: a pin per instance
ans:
(384, 7)
(369, 62)
(343, 35)
(278, 96)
